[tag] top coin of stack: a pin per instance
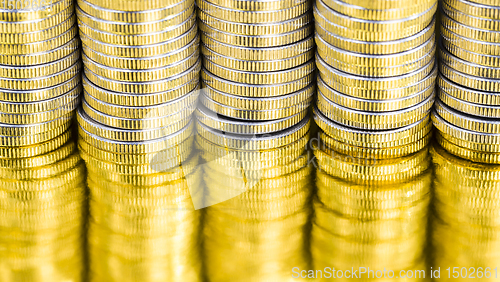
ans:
(258, 64)
(376, 83)
(467, 114)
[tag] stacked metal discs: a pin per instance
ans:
(258, 64)
(141, 78)
(377, 74)
(468, 111)
(465, 225)
(370, 213)
(252, 132)
(257, 193)
(41, 175)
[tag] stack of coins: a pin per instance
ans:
(370, 214)
(466, 227)
(258, 64)
(377, 74)
(257, 193)
(467, 114)
(141, 81)
(41, 176)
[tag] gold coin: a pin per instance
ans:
(40, 117)
(146, 123)
(373, 153)
(366, 30)
(268, 54)
(42, 35)
(248, 77)
(355, 103)
(377, 65)
(140, 147)
(130, 135)
(168, 155)
(358, 9)
(35, 150)
(250, 142)
(37, 95)
(137, 39)
(266, 16)
(469, 108)
(374, 139)
(42, 57)
(374, 120)
(256, 66)
(247, 5)
(255, 90)
(463, 134)
(26, 84)
(257, 114)
(28, 140)
(468, 67)
(133, 5)
(144, 100)
(142, 87)
(146, 63)
(143, 75)
(213, 120)
(129, 28)
(35, 128)
(51, 8)
(465, 121)
(377, 47)
(187, 101)
(35, 25)
(377, 88)
(475, 156)
(465, 94)
(256, 40)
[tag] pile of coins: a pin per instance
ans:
(42, 178)
(377, 74)
(467, 112)
(370, 213)
(258, 60)
(465, 224)
(257, 198)
(141, 80)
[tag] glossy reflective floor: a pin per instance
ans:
(205, 212)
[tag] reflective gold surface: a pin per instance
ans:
(43, 209)
(465, 223)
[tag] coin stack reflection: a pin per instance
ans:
(467, 112)
(370, 213)
(257, 191)
(41, 175)
(258, 61)
(466, 229)
(377, 71)
(141, 81)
